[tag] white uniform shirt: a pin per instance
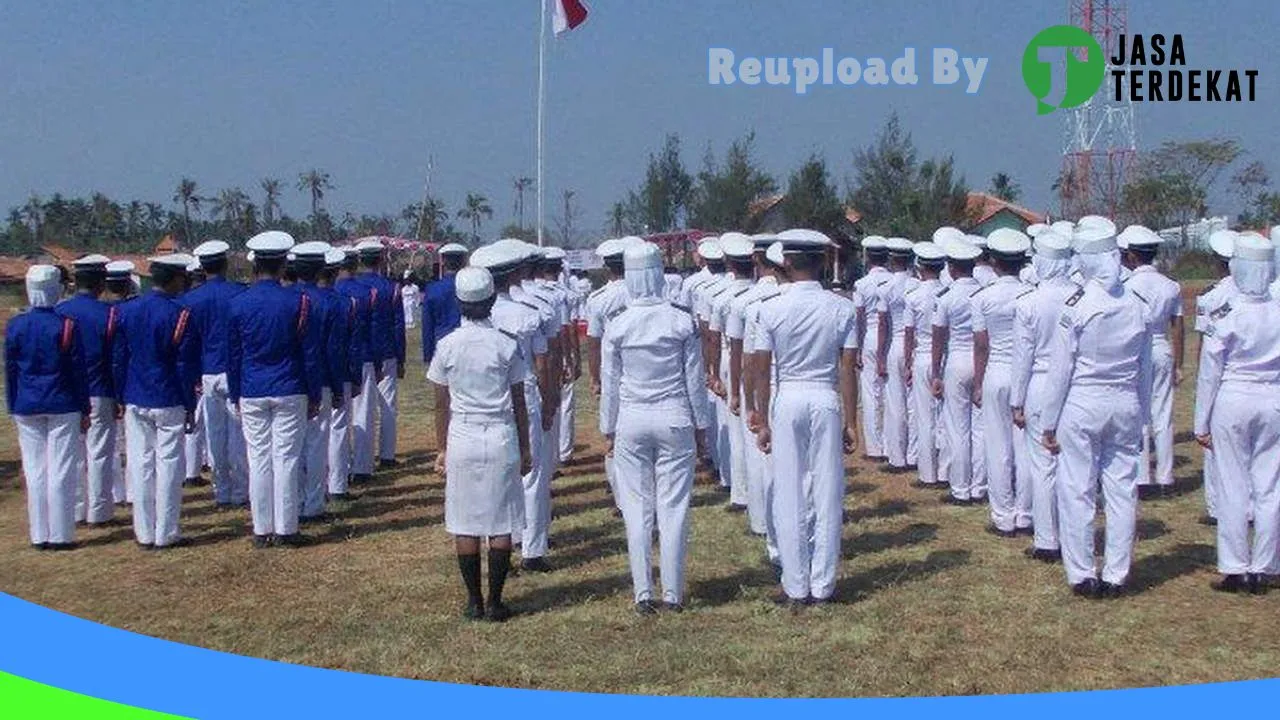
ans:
(719, 313)
(524, 323)
(1028, 274)
(984, 274)
(805, 329)
(918, 313)
(866, 291)
(1162, 295)
(674, 285)
(1215, 297)
(1101, 341)
(892, 299)
(651, 357)
(735, 321)
(705, 293)
(603, 303)
(769, 288)
(548, 321)
(992, 309)
(1241, 345)
(479, 364)
(1035, 322)
(954, 311)
(691, 283)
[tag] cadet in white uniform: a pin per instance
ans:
(1004, 444)
(982, 270)
(951, 377)
(811, 336)
(1164, 301)
(917, 320)
(891, 357)
(1236, 400)
(654, 416)
(1035, 324)
(738, 250)
(482, 431)
(1222, 242)
(602, 305)
(553, 273)
(1099, 392)
(942, 237)
(866, 291)
(761, 385)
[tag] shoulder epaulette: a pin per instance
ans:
(882, 283)
(1025, 293)
(113, 321)
(597, 292)
(1221, 312)
(616, 313)
(1071, 301)
(720, 292)
(511, 335)
(1139, 295)
(1208, 289)
(771, 297)
(743, 291)
(65, 341)
(180, 328)
(682, 308)
(304, 309)
(528, 305)
(975, 292)
(943, 291)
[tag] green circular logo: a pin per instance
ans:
(1083, 77)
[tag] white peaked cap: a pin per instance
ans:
(775, 255)
(1223, 243)
(710, 249)
(1138, 236)
(210, 249)
(272, 243)
(313, 250)
(334, 257)
(1053, 245)
(1093, 239)
(736, 245)
(1008, 241)
(945, 233)
(1064, 227)
(473, 284)
(553, 253)
(929, 253)
(371, 246)
(642, 256)
(873, 242)
(1035, 229)
(610, 248)
(977, 241)
(452, 249)
(120, 269)
(762, 241)
(961, 249)
(90, 262)
(1252, 246)
(495, 256)
(194, 266)
(803, 240)
(898, 246)
(177, 261)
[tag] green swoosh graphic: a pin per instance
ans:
(21, 699)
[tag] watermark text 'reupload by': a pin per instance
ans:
(947, 67)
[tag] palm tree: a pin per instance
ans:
(315, 182)
(521, 184)
(33, 213)
(186, 196)
(618, 218)
(271, 200)
(475, 209)
(229, 207)
(1003, 187)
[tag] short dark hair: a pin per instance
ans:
(162, 275)
(476, 310)
(807, 262)
(268, 266)
(307, 272)
(1010, 264)
(370, 261)
(615, 265)
(1145, 254)
(215, 266)
(91, 280)
(741, 266)
(120, 286)
(453, 261)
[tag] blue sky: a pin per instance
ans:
(127, 97)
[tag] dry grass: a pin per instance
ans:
(930, 604)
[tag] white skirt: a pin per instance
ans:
(482, 492)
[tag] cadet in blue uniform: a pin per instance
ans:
(440, 305)
(355, 437)
(197, 446)
(122, 287)
(96, 321)
(210, 304)
(327, 316)
(387, 347)
(343, 354)
(276, 385)
(155, 357)
(48, 396)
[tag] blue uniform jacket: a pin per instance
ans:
(362, 319)
(97, 322)
(440, 314)
(154, 353)
(44, 365)
(329, 314)
(386, 333)
(210, 306)
(268, 330)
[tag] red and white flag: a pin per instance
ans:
(569, 14)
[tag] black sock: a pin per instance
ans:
(470, 567)
(499, 565)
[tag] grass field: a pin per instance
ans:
(928, 602)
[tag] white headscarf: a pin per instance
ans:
(643, 274)
(1050, 268)
(1102, 268)
(44, 286)
(1253, 277)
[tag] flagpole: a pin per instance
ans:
(542, 82)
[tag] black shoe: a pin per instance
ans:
(1043, 555)
(388, 464)
(314, 519)
(40, 546)
(205, 468)
(671, 607)
(295, 540)
(645, 608)
(1231, 584)
(1110, 591)
(538, 565)
(146, 547)
(818, 602)
(1257, 584)
(617, 512)
(82, 523)
(1086, 588)
(195, 482)
(499, 612)
(178, 543)
(358, 479)
(63, 547)
(735, 509)
(474, 610)
(262, 542)
(1209, 520)
(1024, 531)
(958, 502)
(340, 496)
(1007, 534)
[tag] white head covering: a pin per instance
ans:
(473, 284)
(1253, 264)
(642, 263)
(1098, 256)
(1052, 257)
(44, 286)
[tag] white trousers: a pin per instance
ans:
(1210, 471)
(655, 464)
(120, 491)
(926, 409)
(740, 489)
(194, 443)
(871, 393)
(720, 438)
(48, 445)
(1246, 439)
(274, 432)
(962, 424)
(808, 487)
(388, 409)
(1099, 432)
(97, 473)
(1004, 445)
(753, 472)
(363, 408)
(1042, 469)
(1159, 427)
(567, 417)
(315, 460)
(227, 459)
(897, 409)
(340, 444)
(537, 483)
(156, 469)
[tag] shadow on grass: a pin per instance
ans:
(882, 509)
(554, 597)
(1153, 571)
(714, 592)
(361, 510)
(859, 488)
(582, 535)
(859, 586)
(564, 510)
(874, 542)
